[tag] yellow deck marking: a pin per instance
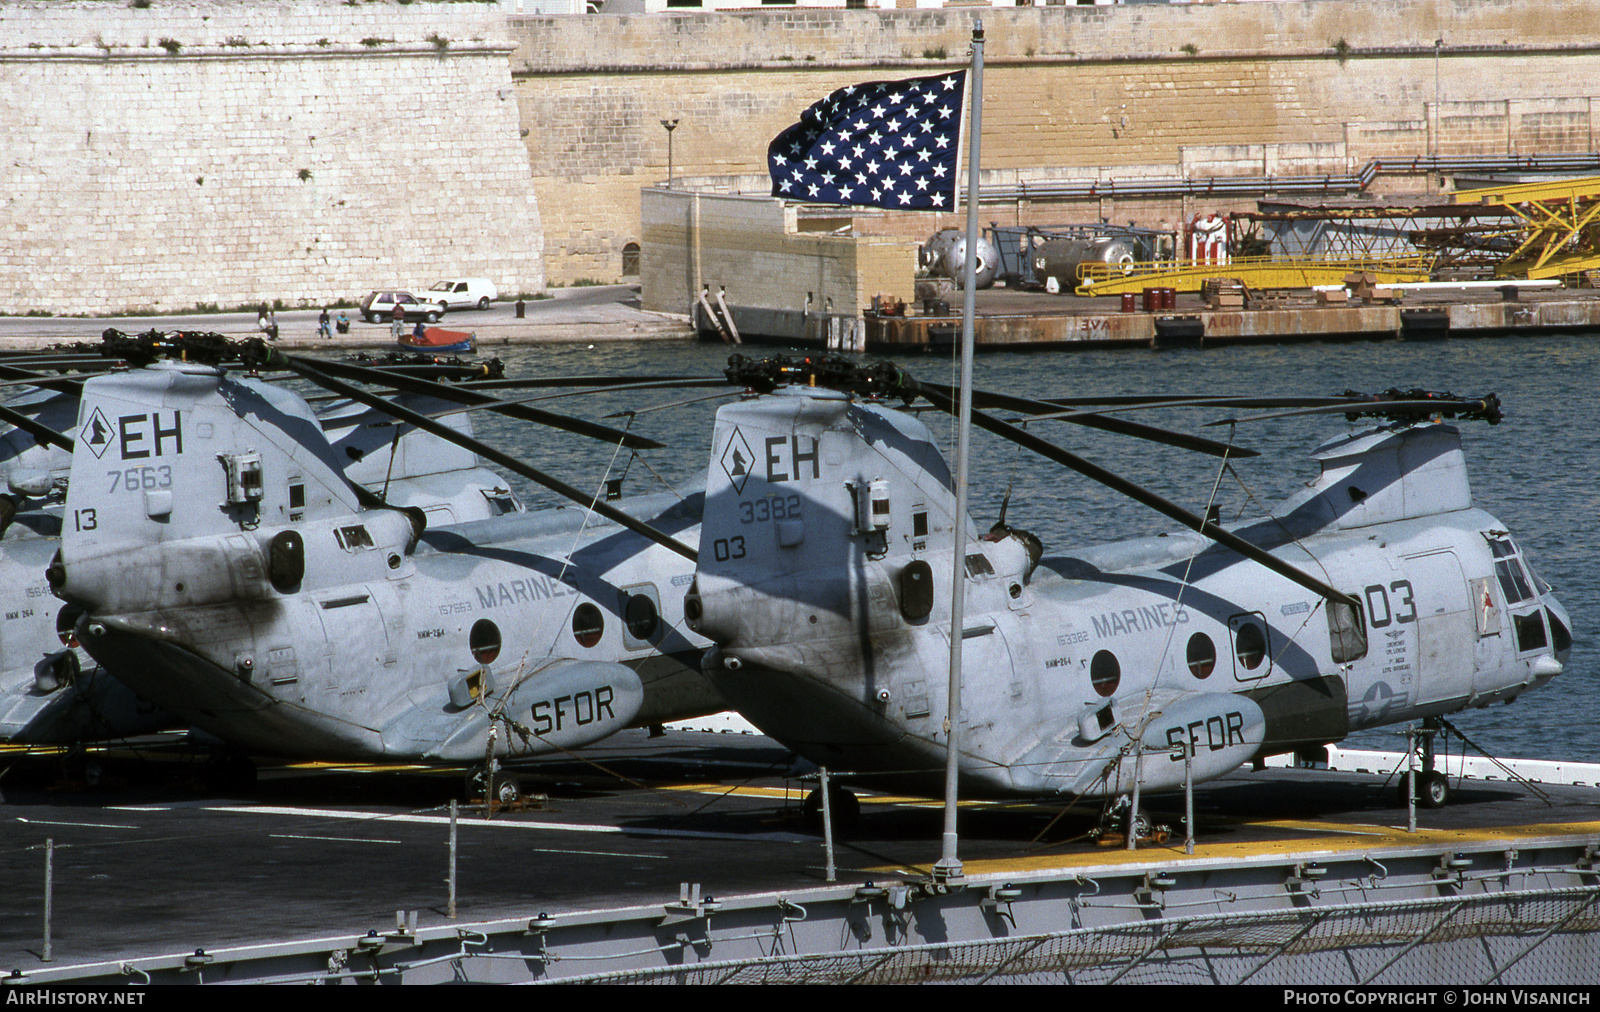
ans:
(743, 792)
(802, 791)
(1340, 840)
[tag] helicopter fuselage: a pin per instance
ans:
(1085, 671)
(225, 571)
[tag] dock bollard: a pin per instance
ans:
(522, 309)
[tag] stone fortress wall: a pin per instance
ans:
(166, 154)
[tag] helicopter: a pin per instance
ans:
(1378, 594)
(51, 693)
(224, 568)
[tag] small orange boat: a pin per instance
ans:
(438, 341)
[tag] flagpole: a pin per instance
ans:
(948, 867)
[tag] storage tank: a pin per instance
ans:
(1059, 258)
(945, 256)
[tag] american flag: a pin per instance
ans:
(891, 144)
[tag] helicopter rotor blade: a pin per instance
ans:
(1172, 511)
(620, 382)
(59, 383)
(1120, 426)
(1487, 408)
(312, 371)
(43, 433)
(449, 392)
(1072, 413)
(675, 404)
(39, 431)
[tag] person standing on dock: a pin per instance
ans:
(324, 327)
(398, 321)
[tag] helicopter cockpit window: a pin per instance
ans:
(1530, 631)
(1559, 633)
(1202, 655)
(1105, 672)
(501, 501)
(1514, 583)
(587, 625)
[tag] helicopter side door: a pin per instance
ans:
(1437, 596)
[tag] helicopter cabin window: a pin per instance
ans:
(484, 641)
(641, 616)
(1347, 640)
(588, 625)
(1249, 642)
(352, 538)
(978, 565)
(1202, 655)
(1105, 672)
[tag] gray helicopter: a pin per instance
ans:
(53, 694)
(225, 569)
(1379, 594)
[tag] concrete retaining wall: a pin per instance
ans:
(752, 250)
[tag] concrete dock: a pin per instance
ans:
(1007, 319)
(1015, 319)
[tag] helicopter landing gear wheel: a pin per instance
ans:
(1433, 789)
(507, 789)
(843, 806)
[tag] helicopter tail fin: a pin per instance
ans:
(189, 486)
(810, 493)
(1380, 475)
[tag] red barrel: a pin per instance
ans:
(1152, 300)
(1169, 298)
(1127, 302)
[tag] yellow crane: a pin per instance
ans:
(1559, 233)
(1255, 272)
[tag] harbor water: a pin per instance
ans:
(1535, 471)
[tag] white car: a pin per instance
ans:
(459, 293)
(378, 307)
